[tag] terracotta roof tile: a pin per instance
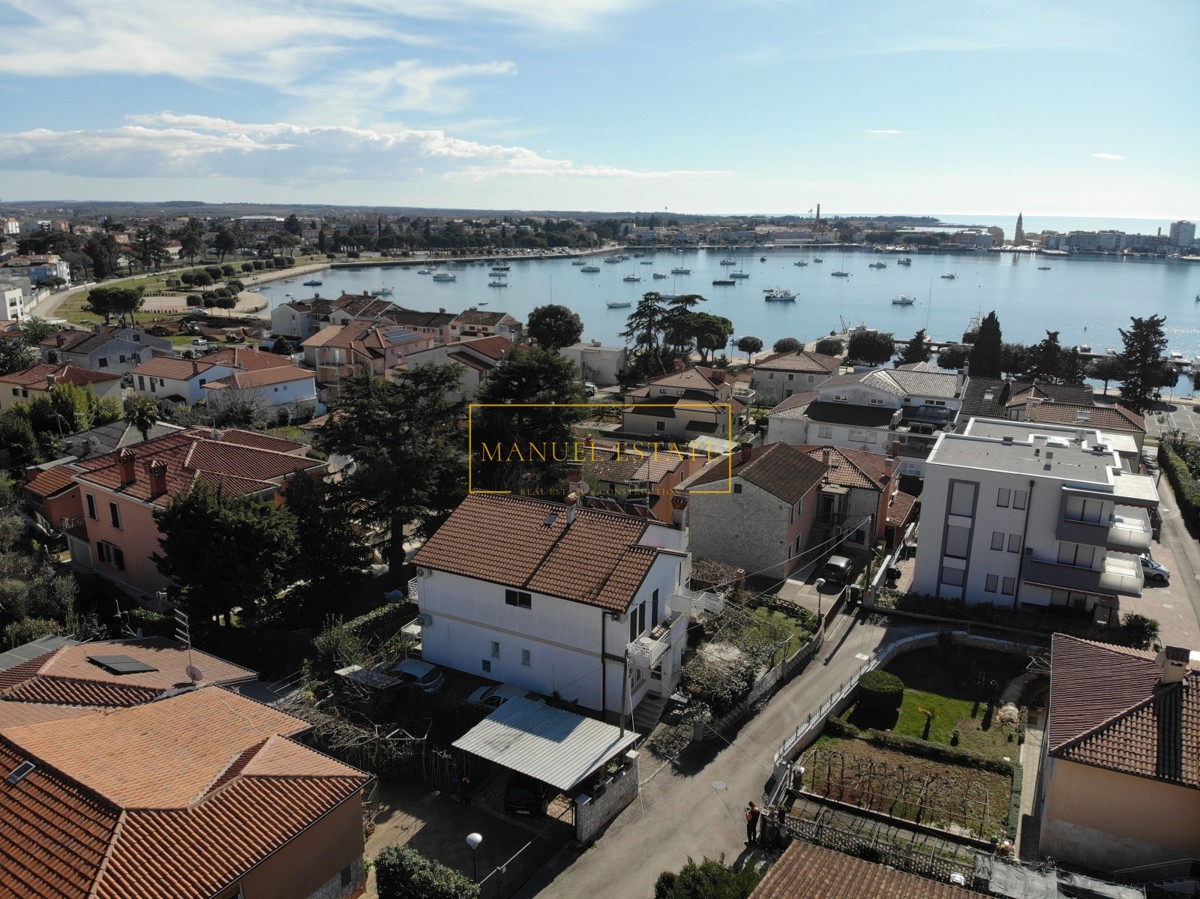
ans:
(778, 468)
(50, 481)
(800, 361)
(513, 541)
(175, 369)
(852, 468)
(805, 870)
(901, 508)
(38, 376)
(1115, 417)
(264, 377)
(246, 358)
(63, 691)
(495, 347)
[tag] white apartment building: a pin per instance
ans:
(1034, 515)
(1183, 234)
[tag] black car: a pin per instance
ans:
(525, 796)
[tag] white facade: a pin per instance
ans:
(190, 388)
(1032, 515)
(552, 645)
(596, 363)
(12, 304)
(1183, 234)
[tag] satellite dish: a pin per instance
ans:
(194, 673)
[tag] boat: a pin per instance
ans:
(576, 262)
(949, 276)
(818, 259)
(497, 283)
(622, 305)
(631, 278)
(501, 267)
(482, 303)
(723, 282)
(315, 282)
(877, 265)
(904, 260)
(444, 276)
(383, 292)
(840, 274)
(613, 260)
(659, 276)
(801, 263)
(762, 258)
(728, 262)
(1046, 268)
(739, 274)
(424, 271)
(902, 300)
(779, 296)
(590, 268)
(678, 270)
(646, 262)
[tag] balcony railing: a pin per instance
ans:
(647, 651)
(413, 589)
(1121, 574)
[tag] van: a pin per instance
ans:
(837, 570)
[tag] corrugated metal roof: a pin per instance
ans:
(549, 744)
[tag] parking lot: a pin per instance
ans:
(1177, 413)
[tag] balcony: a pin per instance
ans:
(1127, 529)
(414, 587)
(647, 651)
(1121, 574)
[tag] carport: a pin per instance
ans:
(587, 759)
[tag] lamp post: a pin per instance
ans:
(473, 840)
(820, 620)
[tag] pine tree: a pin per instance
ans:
(985, 354)
(916, 350)
(1145, 347)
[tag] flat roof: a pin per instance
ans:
(549, 744)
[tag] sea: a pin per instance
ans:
(1086, 299)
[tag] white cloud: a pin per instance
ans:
(173, 145)
(1106, 156)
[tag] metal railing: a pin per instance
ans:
(646, 652)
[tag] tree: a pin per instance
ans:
(282, 347)
(553, 327)
(830, 346)
(224, 242)
(953, 357)
(34, 330)
(749, 345)
(150, 247)
(1106, 368)
(403, 873)
(1072, 368)
(1014, 359)
(191, 239)
(16, 433)
(1145, 345)
(141, 412)
(710, 332)
(1045, 360)
(787, 345)
(916, 350)
(405, 440)
(871, 347)
(533, 391)
(292, 225)
(252, 537)
(14, 355)
(986, 352)
(646, 326)
(708, 880)
(119, 301)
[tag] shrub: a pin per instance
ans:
(259, 265)
(830, 346)
(26, 630)
(343, 642)
(247, 267)
(195, 300)
(403, 873)
(880, 691)
(228, 271)
(214, 272)
(938, 752)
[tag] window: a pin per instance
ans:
(659, 426)
(1014, 543)
(771, 376)
(841, 398)
(955, 577)
(518, 598)
(1002, 497)
(859, 435)
(91, 504)
(347, 876)
(737, 487)
(876, 401)
(1009, 587)
(114, 514)
(991, 583)
(1076, 554)
(642, 617)
(998, 540)
(103, 363)
(958, 541)
(525, 658)
(962, 498)
(487, 666)
(825, 432)
(633, 628)
(110, 555)
(1019, 498)
(791, 377)
(495, 649)
(1080, 508)
(654, 608)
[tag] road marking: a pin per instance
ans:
(862, 657)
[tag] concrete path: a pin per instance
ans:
(696, 810)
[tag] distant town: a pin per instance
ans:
(335, 598)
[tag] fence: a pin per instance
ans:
(765, 687)
(506, 879)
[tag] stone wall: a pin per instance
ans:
(333, 888)
(594, 810)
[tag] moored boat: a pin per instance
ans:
(902, 300)
(800, 262)
(383, 292)
(840, 274)
(949, 276)
(779, 296)
(904, 261)
(680, 270)
(620, 305)
(315, 282)
(590, 268)
(877, 265)
(723, 282)
(631, 278)
(445, 276)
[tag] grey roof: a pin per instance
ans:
(900, 382)
(113, 436)
(795, 406)
(551, 745)
(27, 652)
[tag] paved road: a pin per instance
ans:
(1184, 562)
(698, 812)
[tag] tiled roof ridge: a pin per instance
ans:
(236, 765)
(27, 670)
(1098, 729)
(110, 850)
(136, 692)
(1144, 654)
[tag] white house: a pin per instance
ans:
(1034, 515)
(24, 386)
(474, 358)
(180, 380)
(12, 303)
(596, 363)
(589, 605)
(107, 348)
(780, 375)
(282, 389)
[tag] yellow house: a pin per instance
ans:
(1120, 780)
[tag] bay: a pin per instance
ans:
(1085, 298)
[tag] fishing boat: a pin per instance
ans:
(779, 296)
(590, 269)
(659, 276)
(315, 282)
(840, 274)
(631, 278)
(723, 282)
(497, 283)
(949, 276)
(621, 305)
(678, 270)
(877, 265)
(445, 276)
(800, 262)
(904, 260)
(383, 292)
(902, 300)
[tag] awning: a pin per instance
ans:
(549, 744)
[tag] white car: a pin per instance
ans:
(426, 677)
(491, 698)
(1155, 571)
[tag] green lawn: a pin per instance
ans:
(801, 630)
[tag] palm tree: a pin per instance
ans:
(142, 413)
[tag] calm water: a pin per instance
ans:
(1085, 299)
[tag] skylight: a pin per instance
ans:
(21, 772)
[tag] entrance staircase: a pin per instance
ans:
(649, 710)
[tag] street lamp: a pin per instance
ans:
(473, 840)
(820, 621)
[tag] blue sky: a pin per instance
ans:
(768, 106)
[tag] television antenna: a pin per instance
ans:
(183, 633)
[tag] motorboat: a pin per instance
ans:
(902, 300)
(840, 274)
(501, 267)
(728, 262)
(877, 265)
(613, 260)
(659, 276)
(383, 292)
(904, 260)
(739, 274)
(678, 270)
(762, 258)
(949, 276)
(818, 259)
(779, 296)
(1046, 268)
(497, 283)
(315, 282)
(646, 262)
(444, 276)
(800, 262)
(723, 282)
(631, 278)
(590, 268)
(621, 305)
(424, 271)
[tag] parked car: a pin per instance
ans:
(493, 697)
(426, 677)
(525, 795)
(589, 389)
(1155, 571)
(838, 570)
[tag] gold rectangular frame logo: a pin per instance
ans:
(471, 407)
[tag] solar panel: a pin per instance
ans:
(21, 772)
(121, 664)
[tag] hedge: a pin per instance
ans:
(375, 627)
(403, 873)
(880, 691)
(1185, 485)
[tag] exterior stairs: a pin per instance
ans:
(648, 712)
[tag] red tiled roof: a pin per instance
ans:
(1115, 417)
(50, 481)
(175, 369)
(513, 541)
(494, 347)
(246, 358)
(263, 377)
(800, 361)
(782, 470)
(174, 799)
(38, 377)
(901, 508)
(64, 691)
(469, 361)
(805, 870)
(1108, 709)
(852, 468)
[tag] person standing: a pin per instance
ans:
(752, 814)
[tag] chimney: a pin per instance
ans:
(127, 457)
(60, 339)
(745, 455)
(51, 378)
(679, 366)
(825, 456)
(718, 376)
(31, 472)
(158, 477)
(572, 502)
(1172, 662)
